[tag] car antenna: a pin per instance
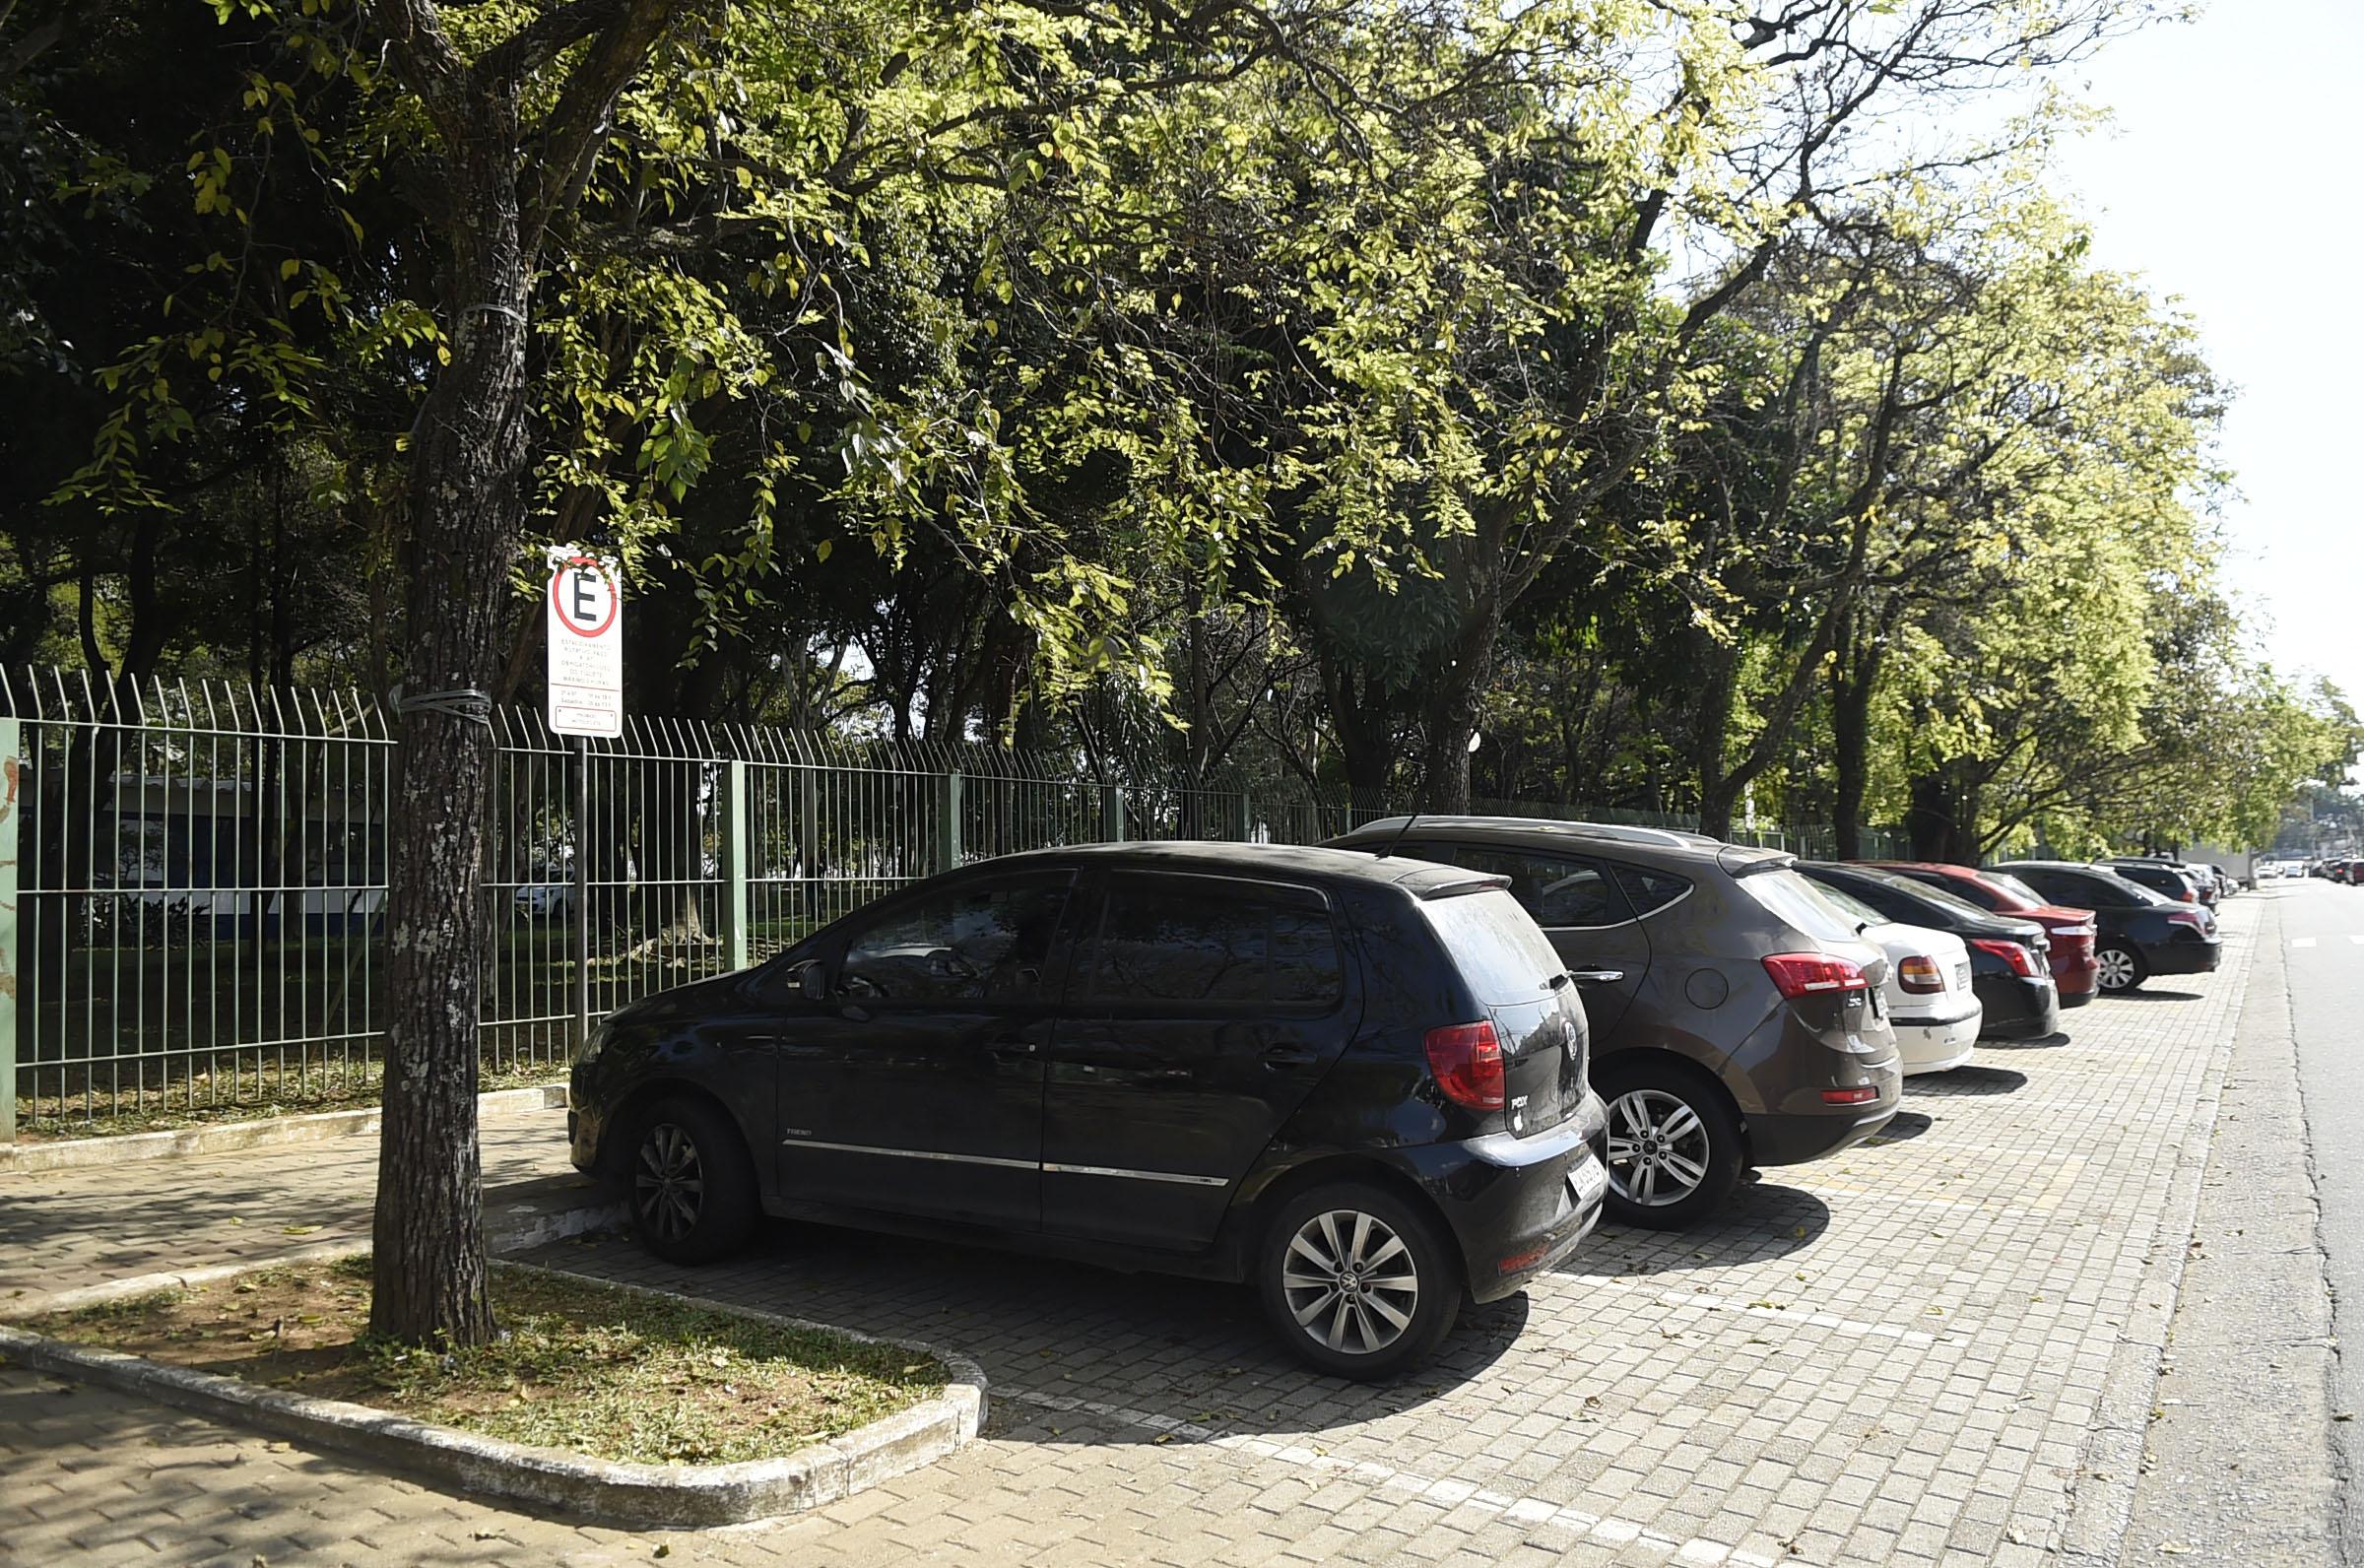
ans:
(1474, 740)
(1399, 838)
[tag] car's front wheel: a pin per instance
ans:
(1675, 1145)
(2122, 967)
(693, 1185)
(1358, 1281)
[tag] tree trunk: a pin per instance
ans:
(466, 493)
(1451, 714)
(1711, 726)
(1942, 819)
(1853, 679)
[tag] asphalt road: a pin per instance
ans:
(2323, 945)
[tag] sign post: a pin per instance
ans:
(584, 604)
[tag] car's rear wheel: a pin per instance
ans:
(2122, 967)
(1675, 1145)
(1358, 1281)
(693, 1184)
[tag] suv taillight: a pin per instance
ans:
(1802, 974)
(1467, 1059)
(2010, 953)
(1920, 975)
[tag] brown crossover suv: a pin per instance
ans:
(1735, 1013)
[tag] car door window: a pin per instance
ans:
(1649, 891)
(1560, 892)
(1213, 941)
(986, 942)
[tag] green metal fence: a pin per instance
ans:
(193, 874)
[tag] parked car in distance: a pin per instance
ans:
(2178, 882)
(2009, 972)
(1736, 1019)
(2069, 930)
(1932, 1005)
(1356, 1083)
(2141, 933)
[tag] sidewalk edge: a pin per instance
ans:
(2109, 1471)
(224, 1138)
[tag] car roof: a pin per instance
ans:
(1670, 843)
(1419, 877)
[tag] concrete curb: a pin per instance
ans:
(573, 1207)
(611, 1493)
(226, 1138)
(2101, 1501)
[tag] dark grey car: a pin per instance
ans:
(1735, 1016)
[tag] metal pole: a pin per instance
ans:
(734, 863)
(13, 992)
(580, 895)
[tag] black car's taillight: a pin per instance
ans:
(2023, 965)
(1467, 1059)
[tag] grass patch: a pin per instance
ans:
(595, 1369)
(252, 1093)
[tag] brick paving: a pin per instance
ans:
(67, 1228)
(1896, 1356)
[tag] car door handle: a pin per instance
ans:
(1596, 977)
(1280, 1056)
(1015, 1047)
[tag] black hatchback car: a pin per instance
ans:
(2141, 933)
(1359, 1083)
(2010, 969)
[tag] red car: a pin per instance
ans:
(2074, 969)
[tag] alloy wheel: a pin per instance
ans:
(1657, 1147)
(1350, 1282)
(669, 1188)
(2117, 968)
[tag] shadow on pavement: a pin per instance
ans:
(2042, 1042)
(1762, 1221)
(2156, 996)
(1972, 1080)
(1902, 1128)
(1072, 1353)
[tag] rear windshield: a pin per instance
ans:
(2015, 886)
(1939, 895)
(1498, 948)
(1854, 908)
(1791, 898)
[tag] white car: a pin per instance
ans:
(1935, 1012)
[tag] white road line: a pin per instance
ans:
(1916, 1338)
(1530, 1511)
(2302, 942)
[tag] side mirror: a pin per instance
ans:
(813, 982)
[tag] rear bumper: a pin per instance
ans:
(1804, 1128)
(2019, 1009)
(2077, 983)
(1517, 1206)
(2185, 957)
(1938, 1045)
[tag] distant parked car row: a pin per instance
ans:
(1374, 1080)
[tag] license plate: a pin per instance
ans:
(1879, 1006)
(1587, 1181)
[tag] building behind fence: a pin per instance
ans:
(193, 876)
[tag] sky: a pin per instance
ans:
(2228, 180)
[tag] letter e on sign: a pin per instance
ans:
(583, 605)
